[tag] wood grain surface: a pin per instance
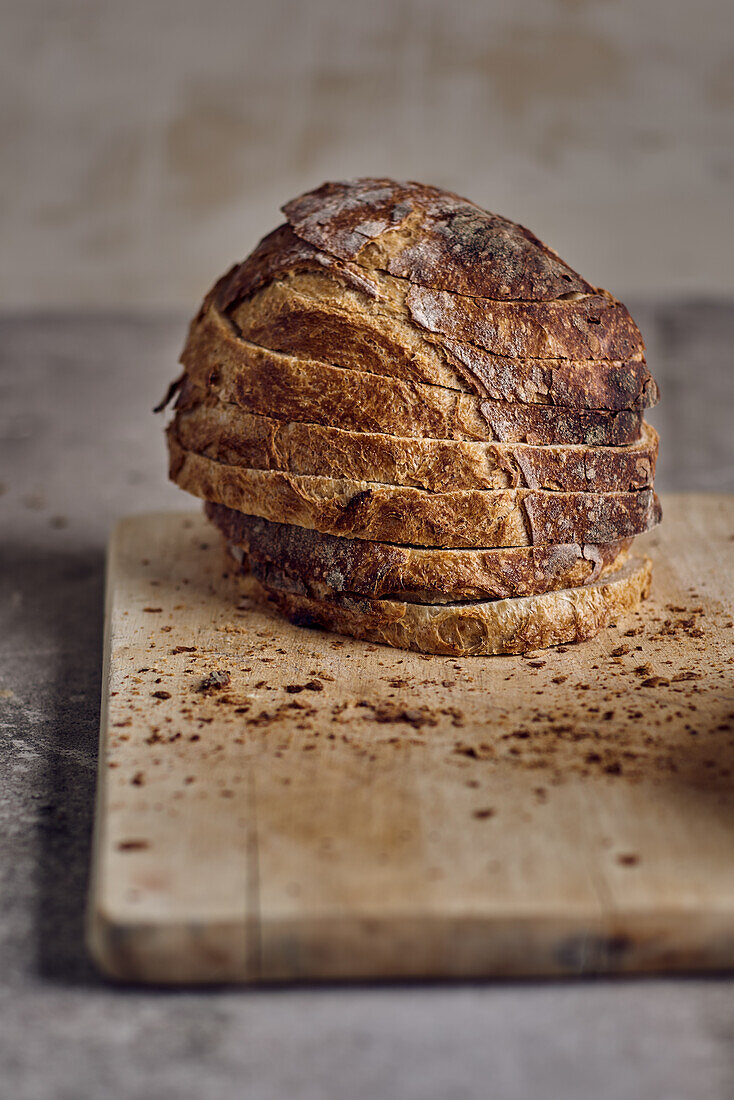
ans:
(276, 803)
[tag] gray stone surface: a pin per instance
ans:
(79, 447)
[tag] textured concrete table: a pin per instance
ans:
(79, 447)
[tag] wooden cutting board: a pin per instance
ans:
(327, 808)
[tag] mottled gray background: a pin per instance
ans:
(147, 144)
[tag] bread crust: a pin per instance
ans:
(474, 629)
(387, 513)
(594, 327)
(228, 434)
(285, 319)
(431, 237)
(413, 574)
(588, 326)
(310, 303)
(385, 349)
(284, 387)
(278, 254)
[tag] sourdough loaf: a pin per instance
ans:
(413, 422)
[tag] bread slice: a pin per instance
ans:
(389, 513)
(470, 629)
(286, 388)
(413, 574)
(227, 434)
(594, 327)
(291, 321)
(590, 326)
(431, 237)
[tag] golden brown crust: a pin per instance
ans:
(471, 337)
(524, 354)
(431, 237)
(466, 517)
(286, 388)
(594, 327)
(474, 629)
(227, 434)
(281, 253)
(575, 383)
(414, 574)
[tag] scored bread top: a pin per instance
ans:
(410, 280)
(433, 238)
(592, 325)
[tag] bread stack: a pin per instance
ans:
(414, 423)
